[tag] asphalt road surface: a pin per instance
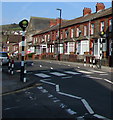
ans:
(62, 91)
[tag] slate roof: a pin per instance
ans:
(82, 19)
(15, 38)
(92, 16)
(38, 23)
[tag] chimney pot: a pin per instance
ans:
(86, 11)
(99, 7)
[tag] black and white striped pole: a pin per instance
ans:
(100, 53)
(23, 24)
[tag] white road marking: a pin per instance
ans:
(76, 97)
(71, 112)
(11, 108)
(50, 95)
(70, 72)
(100, 117)
(86, 75)
(57, 74)
(62, 105)
(103, 74)
(67, 77)
(44, 91)
(42, 75)
(96, 78)
(87, 106)
(57, 88)
(108, 81)
(85, 72)
(97, 71)
(47, 82)
(40, 88)
(56, 101)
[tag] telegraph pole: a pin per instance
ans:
(59, 34)
(23, 24)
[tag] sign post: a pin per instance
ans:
(23, 24)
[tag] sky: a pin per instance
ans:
(14, 12)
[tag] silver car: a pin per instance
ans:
(4, 58)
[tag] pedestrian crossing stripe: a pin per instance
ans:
(71, 72)
(42, 75)
(86, 72)
(58, 74)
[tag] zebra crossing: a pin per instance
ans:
(57, 74)
(67, 73)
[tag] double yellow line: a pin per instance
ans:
(17, 91)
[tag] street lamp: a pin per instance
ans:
(59, 33)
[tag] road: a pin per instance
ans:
(62, 91)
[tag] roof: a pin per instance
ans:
(89, 17)
(15, 38)
(82, 19)
(38, 23)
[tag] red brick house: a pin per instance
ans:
(79, 36)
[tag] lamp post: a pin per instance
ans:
(59, 34)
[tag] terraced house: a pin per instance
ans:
(78, 37)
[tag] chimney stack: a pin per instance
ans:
(86, 11)
(99, 7)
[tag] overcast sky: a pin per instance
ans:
(13, 12)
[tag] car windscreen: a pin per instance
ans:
(3, 55)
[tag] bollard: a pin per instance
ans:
(12, 67)
(94, 62)
(84, 61)
(90, 62)
(9, 66)
(24, 80)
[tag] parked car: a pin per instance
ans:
(4, 58)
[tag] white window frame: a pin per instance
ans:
(110, 25)
(85, 30)
(72, 32)
(92, 28)
(77, 32)
(102, 25)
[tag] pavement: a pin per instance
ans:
(13, 83)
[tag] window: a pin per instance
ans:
(92, 29)
(102, 26)
(66, 33)
(72, 30)
(77, 32)
(85, 30)
(110, 25)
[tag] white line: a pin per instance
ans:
(46, 79)
(71, 112)
(47, 82)
(66, 77)
(87, 106)
(57, 88)
(108, 81)
(57, 74)
(85, 72)
(103, 74)
(69, 95)
(73, 73)
(96, 78)
(42, 75)
(100, 117)
(97, 71)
